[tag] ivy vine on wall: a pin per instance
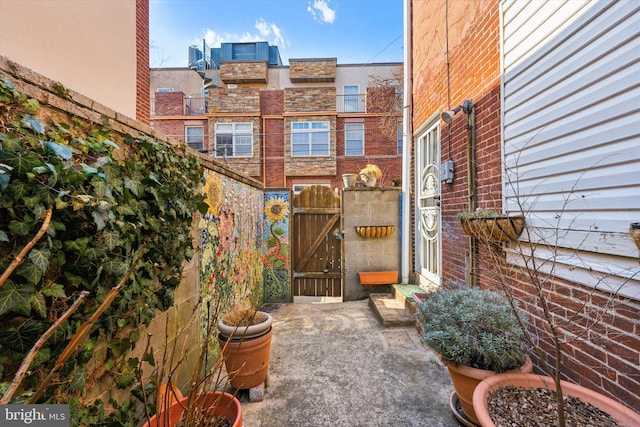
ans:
(110, 197)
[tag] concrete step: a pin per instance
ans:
(389, 311)
(397, 308)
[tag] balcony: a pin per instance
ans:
(351, 103)
(180, 105)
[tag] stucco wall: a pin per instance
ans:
(74, 42)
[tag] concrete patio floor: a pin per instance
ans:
(335, 365)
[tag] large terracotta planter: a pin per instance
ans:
(219, 403)
(620, 413)
(246, 352)
(465, 379)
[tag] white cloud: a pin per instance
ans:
(321, 11)
(267, 29)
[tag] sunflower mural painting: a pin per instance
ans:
(277, 274)
(231, 244)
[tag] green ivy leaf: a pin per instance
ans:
(22, 163)
(59, 150)
(132, 185)
(4, 237)
(88, 170)
(40, 258)
(39, 305)
(21, 228)
(33, 123)
(79, 379)
(12, 296)
(22, 338)
(55, 290)
(11, 142)
(115, 267)
(30, 271)
(111, 239)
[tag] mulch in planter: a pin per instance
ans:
(535, 407)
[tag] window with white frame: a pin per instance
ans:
(351, 98)
(234, 139)
(310, 139)
(354, 139)
(194, 137)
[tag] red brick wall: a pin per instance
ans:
(142, 66)
(169, 104)
(606, 358)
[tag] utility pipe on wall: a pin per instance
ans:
(472, 190)
(405, 240)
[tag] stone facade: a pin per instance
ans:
(312, 70)
(243, 72)
(309, 100)
(239, 100)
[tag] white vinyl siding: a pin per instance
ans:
(234, 139)
(571, 127)
(354, 139)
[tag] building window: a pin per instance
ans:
(297, 188)
(354, 139)
(194, 136)
(399, 139)
(164, 90)
(310, 139)
(351, 98)
(234, 139)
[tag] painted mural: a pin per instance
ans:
(231, 271)
(277, 273)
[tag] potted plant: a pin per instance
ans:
(491, 226)
(476, 335)
(538, 258)
(245, 339)
(597, 408)
(370, 175)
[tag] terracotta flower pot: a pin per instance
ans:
(246, 351)
(465, 379)
(221, 404)
(620, 413)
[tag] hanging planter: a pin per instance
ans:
(375, 230)
(491, 226)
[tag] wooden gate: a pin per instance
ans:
(317, 244)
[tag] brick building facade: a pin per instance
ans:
(606, 358)
(305, 124)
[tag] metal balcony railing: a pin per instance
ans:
(191, 106)
(351, 103)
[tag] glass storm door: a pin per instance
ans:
(428, 236)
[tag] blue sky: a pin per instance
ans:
(353, 31)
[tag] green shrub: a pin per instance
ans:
(474, 328)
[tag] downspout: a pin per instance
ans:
(472, 190)
(264, 152)
(406, 228)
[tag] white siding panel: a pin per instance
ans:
(571, 122)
